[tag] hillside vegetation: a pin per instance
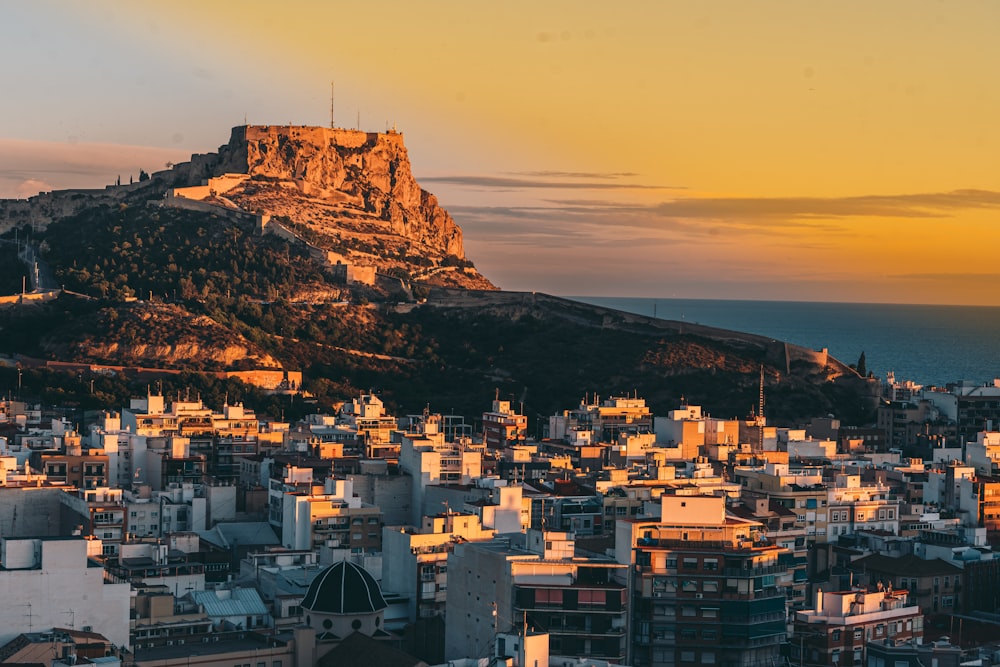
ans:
(223, 298)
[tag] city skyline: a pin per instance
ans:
(752, 151)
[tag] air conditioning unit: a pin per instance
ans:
(698, 596)
(87, 628)
(658, 594)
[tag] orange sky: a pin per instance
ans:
(765, 150)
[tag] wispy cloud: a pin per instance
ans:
(607, 175)
(544, 181)
(703, 216)
(30, 167)
(920, 205)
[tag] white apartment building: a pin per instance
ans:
(430, 460)
(853, 506)
(52, 582)
(415, 562)
(984, 453)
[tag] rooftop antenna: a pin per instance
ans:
(28, 605)
(331, 105)
(760, 414)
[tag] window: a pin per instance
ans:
(710, 612)
(708, 657)
(835, 636)
(690, 563)
(710, 564)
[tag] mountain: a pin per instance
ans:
(315, 249)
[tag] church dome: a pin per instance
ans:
(344, 588)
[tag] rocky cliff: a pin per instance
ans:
(363, 174)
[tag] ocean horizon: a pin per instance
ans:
(928, 344)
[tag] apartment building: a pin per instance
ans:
(836, 632)
(503, 427)
(536, 580)
(704, 586)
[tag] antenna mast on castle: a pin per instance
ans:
(331, 105)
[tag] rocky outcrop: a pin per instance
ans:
(365, 174)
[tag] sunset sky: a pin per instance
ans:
(751, 150)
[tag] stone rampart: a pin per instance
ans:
(778, 353)
(9, 300)
(319, 136)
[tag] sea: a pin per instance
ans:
(930, 345)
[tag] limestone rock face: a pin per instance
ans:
(364, 173)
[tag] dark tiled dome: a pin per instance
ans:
(344, 588)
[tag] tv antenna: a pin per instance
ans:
(331, 105)
(28, 605)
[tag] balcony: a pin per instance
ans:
(753, 571)
(582, 632)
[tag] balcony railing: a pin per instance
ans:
(753, 571)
